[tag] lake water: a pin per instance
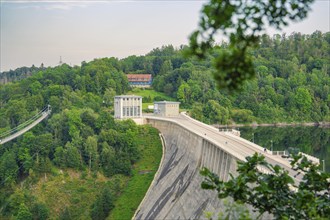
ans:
(314, 141)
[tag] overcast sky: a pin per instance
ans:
(35, 32)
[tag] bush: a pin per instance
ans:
(158, 98)
(40, 211)
(242, 116)
(103, 205)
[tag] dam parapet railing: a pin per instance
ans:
(310, 158)
(230, 130)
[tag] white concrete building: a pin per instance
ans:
(128, 106)
(166, 108)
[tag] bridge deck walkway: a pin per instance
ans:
(17, 134)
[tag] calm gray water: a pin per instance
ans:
(314, 141)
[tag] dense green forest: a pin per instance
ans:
(19, 74)
(292, 85)
(80, 138)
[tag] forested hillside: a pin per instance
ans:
(80, 152)
(18, 74)
(292, 83)
(77, 162)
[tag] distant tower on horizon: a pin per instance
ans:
(60, 60)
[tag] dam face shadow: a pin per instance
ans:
(176, 192)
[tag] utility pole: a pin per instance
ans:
(271, 145)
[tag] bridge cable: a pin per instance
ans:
(23, 124)
(26, 123)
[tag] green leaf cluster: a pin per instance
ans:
(242, 22)
(102, 205)
(276, 192)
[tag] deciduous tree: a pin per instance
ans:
(8, 168)
(242, 22)
(276, 192)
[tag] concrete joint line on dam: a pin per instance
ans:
(189, 145)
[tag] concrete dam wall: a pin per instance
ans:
(176, 190)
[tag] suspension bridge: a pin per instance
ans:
(26, 126)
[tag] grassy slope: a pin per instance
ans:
(142, 177)
(145, 93)
(150, 92)
(68, 188)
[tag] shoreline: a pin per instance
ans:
(278, 124)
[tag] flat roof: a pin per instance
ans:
(128, 96)
(169, 102)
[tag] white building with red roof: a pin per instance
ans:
(139, 80)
